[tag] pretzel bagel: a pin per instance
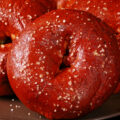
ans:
(107, 10)
(4, 85)
(64, 64)
(14, 16)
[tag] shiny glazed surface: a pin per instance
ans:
(80, 41)
(14, 16)
(4, 85)
(106, 10)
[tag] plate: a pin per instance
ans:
(12, 109)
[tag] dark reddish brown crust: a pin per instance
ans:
(14, 16)
(107, 10)
(33, 64)
(4, 86)
(117, 90)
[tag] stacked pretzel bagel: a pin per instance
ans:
(14, 16)
(62, 64)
